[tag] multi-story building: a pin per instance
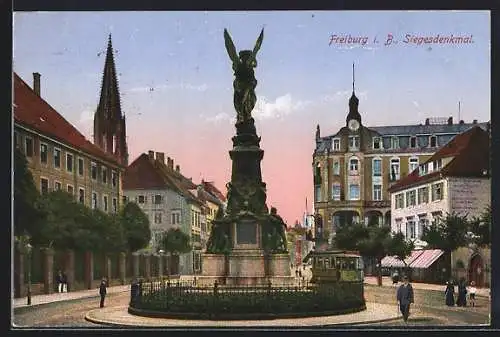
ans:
(213, 199)
(353, 168)
(456, 179)
(168, 199)
(109, 122)
(59, 156)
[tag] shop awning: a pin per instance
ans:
(427, 258)
(394, 262)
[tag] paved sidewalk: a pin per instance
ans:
(387, 282)
(119, 316)
(58, 297)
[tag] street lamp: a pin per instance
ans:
(28, 251)
(161, 252)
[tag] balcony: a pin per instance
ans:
(378, 204)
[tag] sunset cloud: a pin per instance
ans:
(282, 106)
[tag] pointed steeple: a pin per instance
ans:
(353, 103)
(109, 122)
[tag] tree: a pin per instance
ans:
(347, 236)
(27, 211)
(135, 224)
(176, 242)
(400, 247)
(481, 227)
(447, 234)
(376, 245)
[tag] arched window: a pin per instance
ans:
(413, 164)
(395, 169)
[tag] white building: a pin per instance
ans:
(455, 179)
(167, 198)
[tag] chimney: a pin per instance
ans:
(177, 168)
(450, 121)
(151, 155)
(36, 83)
(160, 156)
(427, 121)
(474, 121)
(170, 163)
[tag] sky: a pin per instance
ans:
(304, 79)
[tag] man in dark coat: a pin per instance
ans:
(450, 293)
(102, 291)
(462, 293)
(405, 298)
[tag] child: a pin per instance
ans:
(472, 293)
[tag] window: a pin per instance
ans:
(141, 199)
(104, 172)
(400, 200)
(410, 198)
(158, 199)
(437, 192)
(410, 229)
(93, 170)
(377, 167)
(423, 170)
(398, 224)
(115, 205)
(94, 200)
(28, 147)
(336, 191)
(377, 192)
(422, 223)
(353, 192)
(336, 144)
(114, 178)
(69, 162)
(353, 142)
(423, 195)
(105, 203)
(395, 143)
(413, 142)
(438, 164)
(80, 166)
(377, 143)
(336, 168)
(353, 166)
(81, 195)
(43, 153)
(317, 193)
(44, 185)
(57, 186)
(395, 169)
(176, 217)
(433, 141)
(57, 158)
(413, 163)
(70, 189)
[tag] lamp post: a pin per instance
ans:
(28, 251)
(161, 251)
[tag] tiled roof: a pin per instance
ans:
(31, 111)
(210, 188)
(471, 157)
(146, 173)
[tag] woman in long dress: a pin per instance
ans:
(450, 294)
(462, 293)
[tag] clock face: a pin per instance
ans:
(353, 125)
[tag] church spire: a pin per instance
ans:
(353, 78)
(353, 103)
(109, 123)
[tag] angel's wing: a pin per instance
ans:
(231, 50)
(258, 43)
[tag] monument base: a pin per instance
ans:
(245, 267)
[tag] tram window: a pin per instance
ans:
(344, 265)
(351, 265)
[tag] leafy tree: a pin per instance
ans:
(376, 245)
(175, 242)
(447, 233)
(27, 211)
(481, 227)
(135, 224)
(400, 247)
(347, 236)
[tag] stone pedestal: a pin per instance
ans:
(213, 265)
(279, 265)
(246, 263)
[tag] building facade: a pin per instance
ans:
(213, 200)
(353, 168)
(454, 180)
(168, 199)
(59, 156)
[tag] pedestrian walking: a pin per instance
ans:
(449, 293)
(102, 291)
(59, 281)
(404, 297)
(462, 293)
(472, 293)
(64, 280)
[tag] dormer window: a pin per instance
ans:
(336, 144)
(438, 164)
(433, 141)
(423, 169)
(395, 143)
(413, 142)
(377, 143)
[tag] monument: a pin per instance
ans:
(247, 244)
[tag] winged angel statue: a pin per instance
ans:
(244, 83)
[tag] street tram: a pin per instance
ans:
(335, 266)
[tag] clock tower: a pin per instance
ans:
(353, 119)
